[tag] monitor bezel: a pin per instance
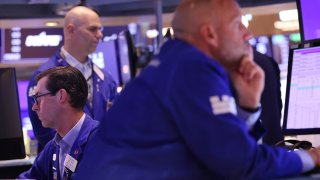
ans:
(302, 131)
(132, 56)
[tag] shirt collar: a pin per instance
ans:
(84, 68)
(74, 62)
(71, 136)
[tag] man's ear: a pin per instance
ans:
(63, 96)
(208, 33)
(70, 28)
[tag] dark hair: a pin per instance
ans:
(69, 79)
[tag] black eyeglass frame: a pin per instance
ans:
(35, 97)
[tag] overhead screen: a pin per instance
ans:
(11, 136)
(302, 107)
(23, 44)
(309, 13)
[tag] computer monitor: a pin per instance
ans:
(127, 58)
(105, 57)
(302, 102)
(11, 136)
(308, 12)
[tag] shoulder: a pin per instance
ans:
(47, 151)
(265, 62)
(102, 74)
(188, 58)
(88, 121)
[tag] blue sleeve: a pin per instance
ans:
(43, 135)
(41, 166)
(215, 134)
(307, 161)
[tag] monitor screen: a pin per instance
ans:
(302, 105)
(127, 57)
(30, 44)
(105, 57)
(11, 136)
(308, 12)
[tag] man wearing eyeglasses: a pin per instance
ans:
(59, 99)
(82, 33)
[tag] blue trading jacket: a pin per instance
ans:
(176, 120)
(104, 91)
(47, 162)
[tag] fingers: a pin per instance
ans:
(249, 69)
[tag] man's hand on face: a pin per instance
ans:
(248, 81)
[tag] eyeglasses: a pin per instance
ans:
(36, 97)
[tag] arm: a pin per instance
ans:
(221, 140)
(41, 168)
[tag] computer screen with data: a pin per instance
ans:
(302, 106)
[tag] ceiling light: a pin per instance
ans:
(288, 15)
(166, 29)
(287, 25)
(245, 21)
(152, 33)
(52, 24)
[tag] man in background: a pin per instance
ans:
(190, 113)
(270, 99)
(82, 33)
(59, 99)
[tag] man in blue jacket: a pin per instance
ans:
(59, 99)
(190, 113)
(82, 32)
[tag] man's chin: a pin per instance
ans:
(44, 125)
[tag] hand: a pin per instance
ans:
(248, 81)
(315, 155)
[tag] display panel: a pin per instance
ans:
(11, 136)
(308, 12)
(33, 44)
(302, 105)
(105, 57)
(127, 57)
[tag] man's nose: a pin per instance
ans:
(35, 107)
(247, 33)
(99, 35)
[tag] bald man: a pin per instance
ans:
(82, 33)
(190, 113)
